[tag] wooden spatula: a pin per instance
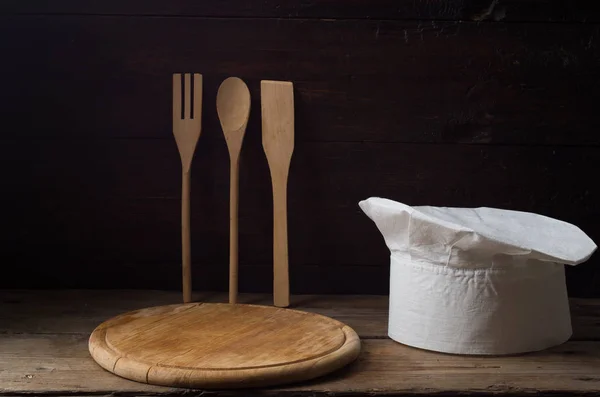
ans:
(277, 103)
(187, 124)
(233, 107)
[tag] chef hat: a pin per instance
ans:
(477, 280)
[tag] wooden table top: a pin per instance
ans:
(44, 336)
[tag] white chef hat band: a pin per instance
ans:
(474, 311)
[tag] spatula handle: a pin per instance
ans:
(185, 237)
(233, 231)
(281, 283)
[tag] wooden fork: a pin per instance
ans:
(187, 124)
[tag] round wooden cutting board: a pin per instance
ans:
(220, 345)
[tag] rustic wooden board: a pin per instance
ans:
(130, 197)
(54, 364)
(59, 363)
(45, 311)
(472, 96)
(386, 81)
(80, 311)
(474, 10)
(552, 180)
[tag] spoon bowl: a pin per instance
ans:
(233, 106)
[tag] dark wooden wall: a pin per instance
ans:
(450, 103)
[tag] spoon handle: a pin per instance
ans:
(233, 231)
(185, 237)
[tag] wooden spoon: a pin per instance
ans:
(277, 102)
(233, 107)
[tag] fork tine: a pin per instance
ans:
(198, 97)
(176, 97)
(187, 99)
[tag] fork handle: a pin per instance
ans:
(185, 237)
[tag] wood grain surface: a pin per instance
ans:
(60, 364)
(582, 11)
(44, 311)
(222, 346)
(461, 82)
(44, 343)
(461, 103)
(133, 217)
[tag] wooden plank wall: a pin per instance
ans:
(450, 103)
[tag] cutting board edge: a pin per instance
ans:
(125, 367)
